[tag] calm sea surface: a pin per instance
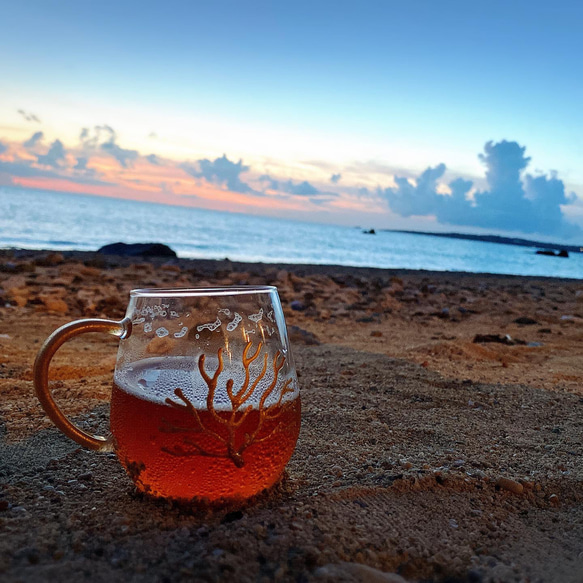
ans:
(33, 219)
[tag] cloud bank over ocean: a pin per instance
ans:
(514, 200)
(530, 204)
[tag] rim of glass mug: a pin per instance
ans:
(226, 290)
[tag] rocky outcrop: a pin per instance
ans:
(137, 250)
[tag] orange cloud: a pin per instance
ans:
(90, 168)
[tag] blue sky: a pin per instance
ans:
(371, 90)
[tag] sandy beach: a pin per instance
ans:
(441, 440)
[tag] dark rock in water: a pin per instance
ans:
(137, 250)
(525, 321)
(370, 232)
(551, 253)
(298, 335)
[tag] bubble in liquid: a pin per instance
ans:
(148, 377)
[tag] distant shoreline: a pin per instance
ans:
(496, 239)
(209, 267)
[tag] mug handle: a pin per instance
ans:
(121, 329)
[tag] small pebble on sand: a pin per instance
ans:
(510, 485)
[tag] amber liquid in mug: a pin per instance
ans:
(173, 446)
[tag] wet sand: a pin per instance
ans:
(441, 432)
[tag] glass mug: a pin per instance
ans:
(205, 402)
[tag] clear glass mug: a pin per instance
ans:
(205, 402)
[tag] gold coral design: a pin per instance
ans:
(239, 412)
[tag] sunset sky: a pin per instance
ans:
(428, 115)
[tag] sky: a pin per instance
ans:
(438, 116)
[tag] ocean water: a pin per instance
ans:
(33, 219)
